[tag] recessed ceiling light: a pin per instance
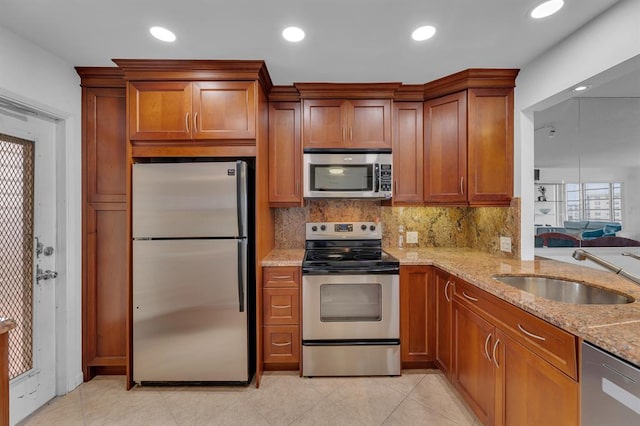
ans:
(581, 88)
(162, 34)
(293, 34)
(547, 8)
(423, 33)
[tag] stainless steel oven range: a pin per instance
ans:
(350, 302)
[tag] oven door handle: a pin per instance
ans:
(351, 342)
(314, 271)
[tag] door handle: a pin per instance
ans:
(45, 275)
(195, 122)
(495, 346)
(486, 350)
(241, 275)
(461, 185)
(446, 287)
(186, 121)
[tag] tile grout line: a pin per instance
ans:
(403, 400)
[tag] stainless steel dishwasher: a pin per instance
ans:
(610, 389)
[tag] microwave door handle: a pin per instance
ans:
(376, 178)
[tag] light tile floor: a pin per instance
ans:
(418, 397)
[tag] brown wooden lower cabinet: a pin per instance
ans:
(281, 318)
(474, 372)
(443, 287)
(529, 391)
(281, 347)
(506, 375)
(417, 320)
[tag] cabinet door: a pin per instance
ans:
(408, 139)
(104, 232)
(159, 110)
(369, 123)
(531, 391)
(473, 374)
(445, 149)
(490, 146)
(285, 154)
(224, 110)
(444, 343)
(417, 326)
(324, 123)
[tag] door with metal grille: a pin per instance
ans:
(27, 257)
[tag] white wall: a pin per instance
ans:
(35, 78)
(609, 40)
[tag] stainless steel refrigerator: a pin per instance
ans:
(190, 321)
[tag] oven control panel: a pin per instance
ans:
(344, 230)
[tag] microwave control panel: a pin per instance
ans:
(385, 178)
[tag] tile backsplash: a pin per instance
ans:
(474, 227)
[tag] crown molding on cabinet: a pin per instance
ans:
(101, 76)
(347, 90)
(471, 78)
(195, 70)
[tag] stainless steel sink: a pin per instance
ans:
(564, 290)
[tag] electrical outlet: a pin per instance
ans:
(505, 244)
(412, 237)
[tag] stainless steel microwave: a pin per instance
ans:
(347, 174)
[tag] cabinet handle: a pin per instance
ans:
(462, 185)
(344, 134)
(186, 121)
(486, 350)
(281, 344)
(535, 336)
(446, 295)
(473, 299)
(195, 122)
(281, 306)
(282, 277)
(495, 360)
(350, 134)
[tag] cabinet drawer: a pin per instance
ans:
(280, 306)
(281, 344)
(553, 344)
(281, 276)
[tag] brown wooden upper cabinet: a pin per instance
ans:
(340, 123)
(285, 154)
(183, 110)
(468, 151)
(407, 153)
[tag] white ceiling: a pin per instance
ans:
(347, 40)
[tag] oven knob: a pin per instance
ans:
(372, 227)
(323, 228)
(363, 227)
(314, 228)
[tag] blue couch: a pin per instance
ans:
(584, 229)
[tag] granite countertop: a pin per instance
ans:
(6, 325)
(615, 328)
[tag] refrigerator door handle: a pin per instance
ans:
(241, 197)
(241, 274)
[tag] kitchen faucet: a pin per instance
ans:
(582, 255)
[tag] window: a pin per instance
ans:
(594, 201)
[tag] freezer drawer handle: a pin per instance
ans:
(240, 276)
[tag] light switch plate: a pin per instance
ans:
(412, 237)
(505, 244)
